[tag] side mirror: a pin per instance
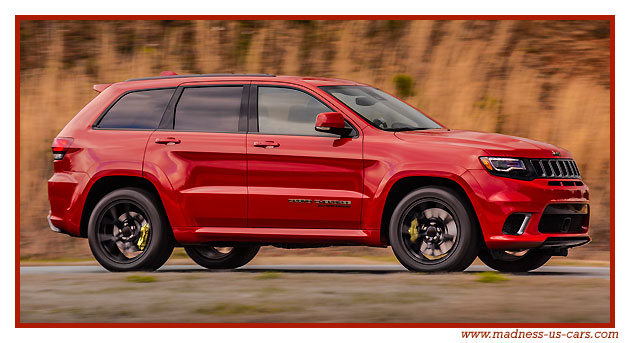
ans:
(332, 122)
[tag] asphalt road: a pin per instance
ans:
(571, 271)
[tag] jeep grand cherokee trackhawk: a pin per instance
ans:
(222, 164)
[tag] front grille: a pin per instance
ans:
(565, 183)
(556, 168)
(564, 218)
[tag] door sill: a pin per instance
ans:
(192, 235)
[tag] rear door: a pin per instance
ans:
(200, 150)
(298, 177)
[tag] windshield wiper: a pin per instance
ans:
(411, 129)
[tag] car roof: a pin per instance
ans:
(170, 79)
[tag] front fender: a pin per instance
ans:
(375, 205)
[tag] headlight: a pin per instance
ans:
(502, 164)
(508, 167)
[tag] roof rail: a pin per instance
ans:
(197, 75)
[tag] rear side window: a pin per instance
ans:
(137, 110)
(209, 109)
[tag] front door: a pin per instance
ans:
(298, 177)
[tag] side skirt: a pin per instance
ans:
(196, 235)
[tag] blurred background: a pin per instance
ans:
(545, 80)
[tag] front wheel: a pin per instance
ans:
(514, 261)
(221, 257)
(433, 230)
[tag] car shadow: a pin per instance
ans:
(371, 270)
(593, 272)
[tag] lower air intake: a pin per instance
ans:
(564, 218)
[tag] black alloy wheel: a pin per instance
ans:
(128, 231)
(433, 230)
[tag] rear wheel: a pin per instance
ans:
(514, 261)
(128, 231)
(433, 230)
(221, 257)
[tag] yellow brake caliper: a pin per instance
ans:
(144, 235)
(413, 230)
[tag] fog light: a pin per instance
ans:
(516, 223)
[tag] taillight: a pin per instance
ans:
(60, 146)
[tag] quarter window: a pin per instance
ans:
(137, 110)
(287, 111)
(209, 109)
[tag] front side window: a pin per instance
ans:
(209, 109)
(287, 111)
(137, 110)
(381, 109)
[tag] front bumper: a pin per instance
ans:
(564, 242)
(498, 197)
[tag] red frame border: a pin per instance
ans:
(610, 18)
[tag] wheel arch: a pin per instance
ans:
(109, 183)
(406, 185)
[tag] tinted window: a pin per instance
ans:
(137, 110)
(288, 112)
(209, 109)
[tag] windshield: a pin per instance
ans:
(381, 109)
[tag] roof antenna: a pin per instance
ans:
(168, 73)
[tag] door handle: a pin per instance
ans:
(167, 141)
(266, 144)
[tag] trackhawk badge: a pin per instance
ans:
(556, 153)
(323, 203)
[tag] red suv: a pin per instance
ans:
(222, 164)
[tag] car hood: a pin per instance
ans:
(493, 144)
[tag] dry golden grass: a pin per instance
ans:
(544, 80)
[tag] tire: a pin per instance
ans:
(114, 225)
(506, 262)
(211, 258)
(443, 220)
